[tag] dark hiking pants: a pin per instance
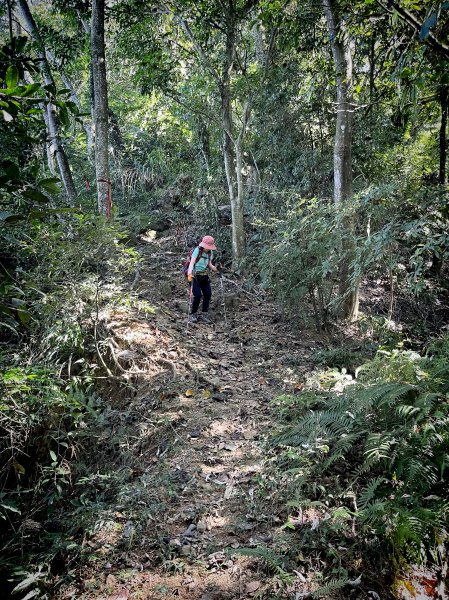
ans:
(201, 289)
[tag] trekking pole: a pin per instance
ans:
(190, 304)
(220, 275)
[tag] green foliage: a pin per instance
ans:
(302, 264)
(384, 441)
(60, 276)
(275, 562)
(341, 358)
(52, 271)
(363, 455)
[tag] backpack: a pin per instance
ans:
(186, 263)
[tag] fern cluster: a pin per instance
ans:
(384, 442)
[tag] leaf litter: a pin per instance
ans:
(199, 411)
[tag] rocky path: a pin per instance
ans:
(194, 420)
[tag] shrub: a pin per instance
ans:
(383, 443)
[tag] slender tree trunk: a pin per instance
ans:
(443, 97)
(11, 35)
(91, 135)
(49, 145)
(231, 152)
(341, 53)
(203, 142)
(260, 45)
(87, 126)
(444, 104)
(239, 225)
(372, 70)
(343, 133)
(231, 178)
(52, 117)
(91, 150)
(100, 105)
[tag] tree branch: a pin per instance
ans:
(199, 51)
(440, 47)
(192, 109)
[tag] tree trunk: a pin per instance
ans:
(343, 133)
(49, 145)
(342, 146)
(91, 135)
(87, 126)
(259, 43)
(203, 142)
(52, 117)
(239, 225)
(231, 151)
(100, 105)
(11, 35)
(444, 104)
(231, 178)
(443, 97)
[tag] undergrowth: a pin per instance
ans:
(57, 278)
(365, 467)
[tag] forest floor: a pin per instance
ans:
(188, 433)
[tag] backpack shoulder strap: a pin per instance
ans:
(200, 254)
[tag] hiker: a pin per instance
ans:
(198, 277)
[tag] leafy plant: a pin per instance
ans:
(274, 560)
(383, 441)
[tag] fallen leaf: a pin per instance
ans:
(19, 469)
(122, 595)
(228, 492)
(189, 393)
(409, 587)
(206, 394)
(230, 447)
(252, 587)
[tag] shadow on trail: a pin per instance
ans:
(179, 454)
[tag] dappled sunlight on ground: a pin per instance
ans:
(188, 434)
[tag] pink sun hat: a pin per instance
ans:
(208, 243)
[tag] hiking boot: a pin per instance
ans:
(204, 317)
(193, 318)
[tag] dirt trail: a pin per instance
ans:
(198, 417)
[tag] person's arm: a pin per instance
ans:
(212, 267)
(192, 264)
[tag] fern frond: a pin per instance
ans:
(332, 586)
(372, 512)
(406, 410)
(319, 424)
(378, 448)
(419, 470)
(272, 558)
(368, 492)
(342, 447)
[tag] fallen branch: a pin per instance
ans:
(251, 294)
(164, 361)
(135, 280)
